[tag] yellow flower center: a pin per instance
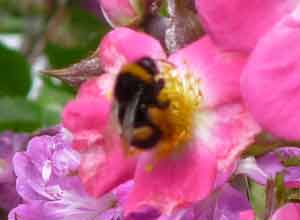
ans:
(181, 91)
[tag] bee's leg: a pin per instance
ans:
(159, 85)
(156, 116)
(121, 111)
(148, 64)
(145, 137)
(163, 105)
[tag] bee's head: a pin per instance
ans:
(148, 64)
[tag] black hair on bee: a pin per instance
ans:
(136, 90)
(149, 65)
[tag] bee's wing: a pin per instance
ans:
(129, 117)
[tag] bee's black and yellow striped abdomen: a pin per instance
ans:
(136, 83)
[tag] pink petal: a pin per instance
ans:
(104, 164)
(98, 87)
(179, 178)
(218, 71)
(238, 24)
(224, 126)
(247, 215)
(227, 131)
(271, 80)
(290, 211)
(122, 192)
(86, 114)
(104, 167)
(89, 114)
(124, 45)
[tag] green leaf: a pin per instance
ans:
(76, 38)
(163, 10)
(15, 79)
(21, 8)
(281, 192)
(11, 23)
(293, 195)
(52, 100)
(60, 56)
(257, 199)
(86, 26)
(19, 114)
(291, 161)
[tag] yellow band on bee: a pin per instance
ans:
(138, 71)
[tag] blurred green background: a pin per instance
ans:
(37, 35)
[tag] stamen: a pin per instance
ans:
(182, 92)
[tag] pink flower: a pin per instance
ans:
(104, 162)
(290, 211)
(125, 46)
(226, 203)
(238, 24)
(123, 12)
(214, 126)
(270, 82)
(247, 215)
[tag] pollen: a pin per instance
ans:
(181, 92)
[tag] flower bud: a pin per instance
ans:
(123, 12)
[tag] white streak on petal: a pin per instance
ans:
(47, 170)
(249, 167)
(206, 121)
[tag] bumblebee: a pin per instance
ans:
(136, 91)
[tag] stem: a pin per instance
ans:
(153, 7)
(36, 39)
(178, 6)
(270, 199)
(264, 144)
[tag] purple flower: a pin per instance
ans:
(226, 203)
(32, 211)
(283, 160)
(9, 144)
(48, 183)
(145, 213)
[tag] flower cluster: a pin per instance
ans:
(51, 189)
(237, 81)
(9, 144)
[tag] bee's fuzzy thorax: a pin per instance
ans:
(157, 105)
